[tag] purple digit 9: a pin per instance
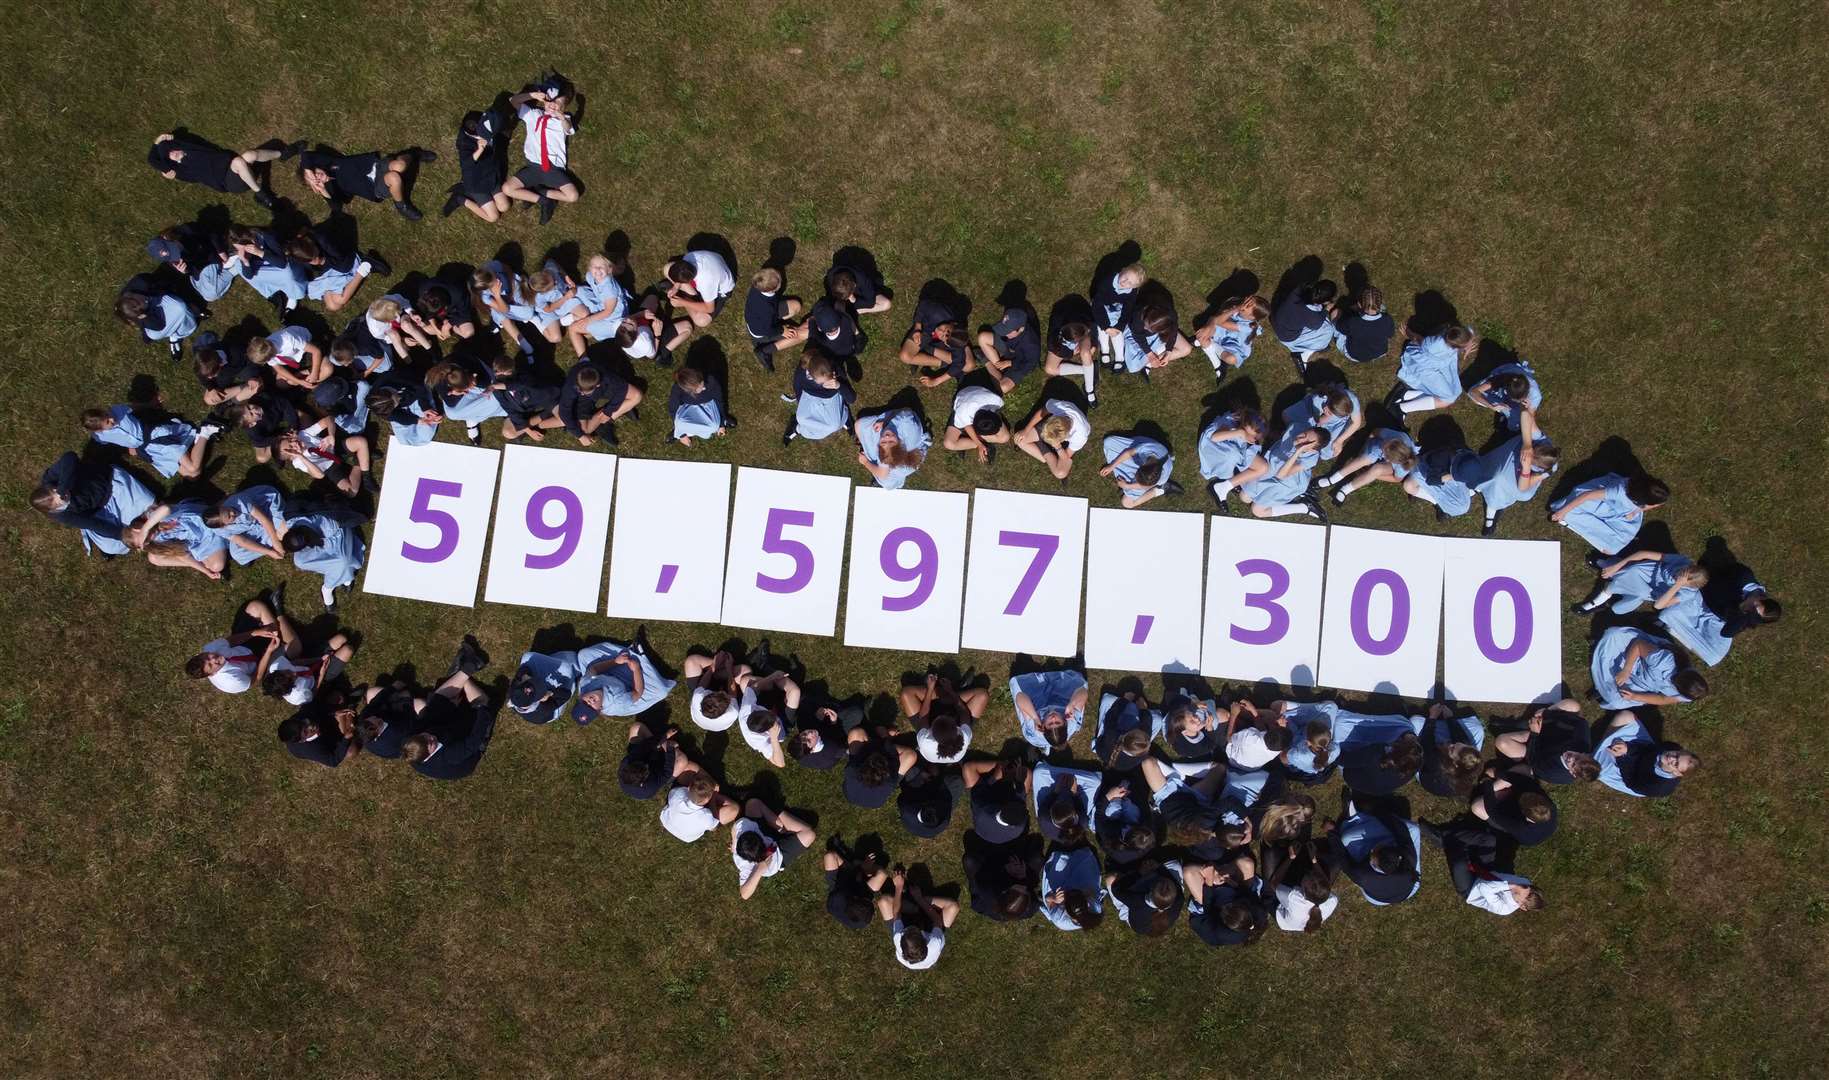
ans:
(775, 544)
(1522, 620)
(421, 512)
(1277, 615)
(567, 531)
(923, 573)
(1393, 638)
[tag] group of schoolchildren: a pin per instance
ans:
(1192, 804)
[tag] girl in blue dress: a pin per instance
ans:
(505, 297)
(553, 293)
(1510, 473)
(175, 534)
(1141, 466)
(696, 404)
(1334, 410)
(1510, 391)
(1452, 753)
(598, 307)
(1072, 898)
(1190, 729)
(1276, 485)
(617, 680)
(1643, 576)
(892, 445)
(1063, 801)
(1227, 337)
(1228, 445)
(252, 522)
(173, 447)
(102, 502)
(1113, 299)
(1429, 371)
(407, 410)
(1313, 749)
(1050, 707)
(1631, 667)
(1389, 457)
(1633, 763)
(1608, 511)
(1378, 754)
(328, 543)
(1433, 481)
(159, 317)
(344, 402)
(1150, 338)
(460, 390)
(1301, 322)
(822, 398)
(267, 269)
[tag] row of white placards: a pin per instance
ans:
(1371, 614)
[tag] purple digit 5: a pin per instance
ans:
(923, 573)
(567, 531)
(1045, 545)
(422, 512)
(1393, 638)
(775, 544)
(1522, 620)
(1276, 615)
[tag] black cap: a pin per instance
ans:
(331, 394)
(1014, 319)
(165, 251)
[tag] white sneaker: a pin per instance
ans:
(362, 268)
(209, 431)
(330, 597)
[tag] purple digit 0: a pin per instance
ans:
(567, 532)
(1361, 613)
(922, 573)
(422, 512)
(1521, 620)
(1277, 615)
(1045, 545)
(775, 544)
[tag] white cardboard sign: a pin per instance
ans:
(667, 546)
(1263, 618)
(1028, 557)
(551, 523)
(787, 547)
(1143, 590)
(907, 570)
(431, 522)
(1383, 611)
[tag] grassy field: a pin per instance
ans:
(1629, 195)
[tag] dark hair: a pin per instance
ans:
(818, 363)
(1015, 901)
(715, 704)
(1056, 736)
(759, 721)
(949, 740)
(1647, 490)
(303, 247)
(691, 380)
(1137, 837)
(1239, 918)
(1064, 815)
(1157, 318)
(1513, 385)
(433, 301)
(194, 666)
(751, 847)
(1339, 402)
(874, 769)
(1388, 858)
(588, 378)
(383, 402)
(1585, 769)
(300, 537)
(276, 683)
(1405, 755)
(292, 728)
(1690, 683)
(914, 946)
(634, 771)
(1535, 807)
(842, 285)
(1276, 738)
(857, 907)
(1770, 610)
(1320, 292)
(679, 271)
(1149, 474)
(1080, 910)
(987, 421)
(1462, 765)
(1318, 733)
(368, 729)
(130, 307)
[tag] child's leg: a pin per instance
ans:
(358, 445)
(551, 332)
(568, 193)
(976, 701)
(190, 464)
(629, 401)
(335, 301)
(914, 699)
(339, 647)
(519, 192)
(956, 439)
(787, 822)
(682, 329)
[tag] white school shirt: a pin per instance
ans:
(643, 346)
(556, 129)
(759, 743)
(1082, 427)
(738, 712)
(301, 691)
(936, 941)
(1246, 749)
(1292, 908)
(711, 274)
(237, 675)
(378, 329)
(684, 818)
(930, 746)
(288, 342)
(311, 441)
(971, 401)
(770, 867)
(1496, 895)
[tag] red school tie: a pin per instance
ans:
(251, 658)
(545, 162)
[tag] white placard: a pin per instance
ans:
(1143, 571)
(1382, 616)
(907, 570)
(431, 522)
(1502, 620)
(1263, 619)
(667, 546)
(551, 521)
(1028, 555)
(787, 546)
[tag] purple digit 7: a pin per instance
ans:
(1265, 602)
(1360, 616)
(423, 513)
(1521, 620)
(1045, 545)
(923, 573)
(775, 544)
(567, 532)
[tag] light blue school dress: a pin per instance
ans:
(540, 316)
(163, 447)
(1137, 353)
(1374, 449)
(1512, 415)
(907, 427)
(1128, 716)
(1237, 342)
(1247, 787)
(1644, 581)
(556, 672)
(1300, 761)
(277, 274)
(1224, 460)
(355, 421)
(1494, 475)
(1363, 833)
(1148, 450)
(474, 405)
(595, 296)
(817, 417)
(185, 525)
(1049, 691)
(704, 420)
(1632, 732)
(263, 497)
(1452, 497)
(1045, 779)
(1077, 868)
(1433, 367)
(510, 283)
(128, 498)
(1653, 674)
(1608, 523)
(212, 279)
(331, 280)
(1311, 411)
(1315, 338)
(180, 320)
(340, 555)
(1357, 729)
(617, 684)
(405, 423)
(1469, 729)
(1696, 627)
(1268, 490)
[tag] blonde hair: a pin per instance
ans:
(1135, 272)
(386, 309)
(1398, 454)
(542, 281)
(768, 279)
(260, 350)
(1055, 429)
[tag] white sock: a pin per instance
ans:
(1597, 599)
(1417, 402)
(472, 431)
(1085, 372)
(1214, 352)
(329, 594)
(1222, 488)
(362, 268)
(1285, 510)
(1328, 481)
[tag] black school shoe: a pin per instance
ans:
(470, 658)
(547, 206)
(453, 202)
(1314, 507)
(266, 200)
(176, 348)
(408, 211)
(1491, 524)
(1173, 487)
(1597, 561)
(1223, 505)
(378, 265)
